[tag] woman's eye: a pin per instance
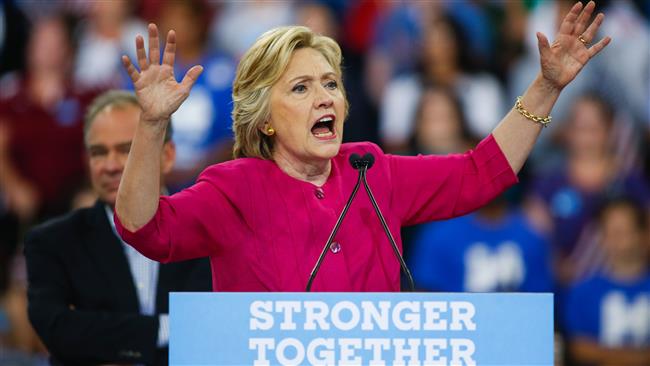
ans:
(332, 85)
(299, 88)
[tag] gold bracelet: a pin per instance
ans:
(544, 121)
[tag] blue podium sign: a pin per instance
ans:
(361, 329)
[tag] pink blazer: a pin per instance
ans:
(263, 230)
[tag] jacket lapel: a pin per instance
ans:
(107, 252)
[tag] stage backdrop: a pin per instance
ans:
(361, 329)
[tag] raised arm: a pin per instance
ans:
(159, 95)
(560, 63)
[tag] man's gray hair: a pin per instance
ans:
(113, 99)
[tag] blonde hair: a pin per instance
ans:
(259, 69)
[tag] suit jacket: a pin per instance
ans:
(82, 299)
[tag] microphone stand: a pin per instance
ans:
(362, 164)
(335, 230)
(387, 231)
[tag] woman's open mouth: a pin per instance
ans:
(323, 129)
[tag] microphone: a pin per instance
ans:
(359, 162)
(362, 164)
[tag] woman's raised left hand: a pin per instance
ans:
(572, 49)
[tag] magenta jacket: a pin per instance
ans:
(263, 230)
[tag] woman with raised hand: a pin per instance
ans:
(263, 217)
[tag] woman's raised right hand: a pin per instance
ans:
(158, 92)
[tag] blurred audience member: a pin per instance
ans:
(106, 35)
(445, 61)
(607, 315)
(628, 63)
(492, 250)
(93, 299)
(41, 143)
(474, 19)
(360, 21)
(440, 127)
(241, 22)
(202, 126)
(318, 17)
(565, 198)
(509, 22)
(396, 36)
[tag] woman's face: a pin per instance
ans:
(110, 12)
(439, 124)
(440, 45)
(307, 109)
(48, 47)
(622, 237)
(179, 17)
(588, 130)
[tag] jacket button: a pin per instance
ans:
(320, 194)
(335, 247)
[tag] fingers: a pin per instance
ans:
(568, 24)
(154, 44)
(191, 76)
(154, 50)
(130, 69)
(590, 33)
(141, 54)
(170, 49)
(593, 50)
(583, 19)
(543, 45)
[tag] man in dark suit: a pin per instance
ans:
(92, 298)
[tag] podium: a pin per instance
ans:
(361, 329)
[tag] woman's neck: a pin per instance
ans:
(445, 74)
(314, 172)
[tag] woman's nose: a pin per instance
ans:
(323, 98)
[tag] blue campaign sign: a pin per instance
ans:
(361, 329)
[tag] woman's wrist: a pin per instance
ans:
(153, 126)
(546, 86)
(540, 97)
